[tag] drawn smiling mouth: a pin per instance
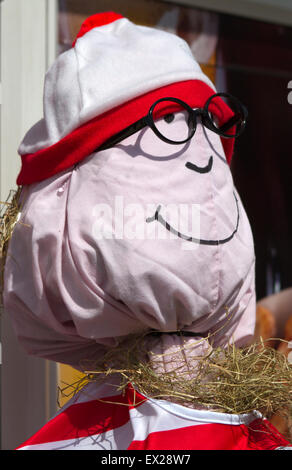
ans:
(158, 217)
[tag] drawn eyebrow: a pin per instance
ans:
(199, 169)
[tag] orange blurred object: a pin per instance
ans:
(274, 319)
(285, 348)
(265, 326)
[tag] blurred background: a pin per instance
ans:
(245, 47)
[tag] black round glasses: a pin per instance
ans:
(175, 122)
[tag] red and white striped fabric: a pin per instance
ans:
(99, 418)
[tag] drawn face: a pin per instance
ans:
(178, 126)
(175, 123)
(192, 163)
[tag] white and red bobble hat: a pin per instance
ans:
(105, 82)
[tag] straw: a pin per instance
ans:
(9, 212)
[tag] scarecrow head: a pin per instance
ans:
(130, 220)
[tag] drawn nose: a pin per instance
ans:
(201, 169)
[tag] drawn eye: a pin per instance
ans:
(169, 118)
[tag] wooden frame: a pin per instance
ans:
(274, 11)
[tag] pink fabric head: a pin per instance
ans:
(110, 247)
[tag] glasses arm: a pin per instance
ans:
(127, 132)
(231, 122)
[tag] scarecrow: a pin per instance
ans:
(132, 258)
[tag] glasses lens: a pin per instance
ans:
(173, 121)
(226, 115)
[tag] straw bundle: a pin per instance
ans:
(9, 212)
(227, 380)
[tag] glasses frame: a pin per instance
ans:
(203, 113)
